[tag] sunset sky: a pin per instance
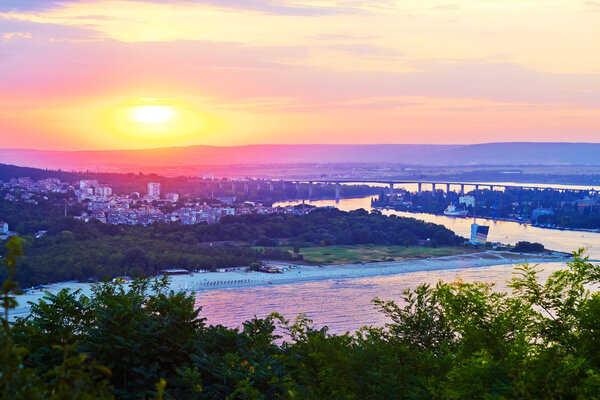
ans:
(142, 73)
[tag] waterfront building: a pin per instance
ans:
(586, 203)
(468, 201)
(535, 214)
(479, 233)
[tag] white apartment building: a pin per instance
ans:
(88, 183)
(154, 190)
(103, 190)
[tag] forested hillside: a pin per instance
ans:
(74, 249)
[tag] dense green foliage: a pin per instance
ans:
(528, 247)
(27, 219)
(452, 341)
(74, 249)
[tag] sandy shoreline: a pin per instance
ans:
(232, 279)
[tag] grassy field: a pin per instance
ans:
(373, 253)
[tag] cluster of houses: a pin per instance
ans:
(102, 204)
(26, 190)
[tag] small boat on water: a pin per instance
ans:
(452, 211)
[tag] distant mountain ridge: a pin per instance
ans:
(509, 153)
(522, 153)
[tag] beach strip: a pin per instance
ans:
(296, 273)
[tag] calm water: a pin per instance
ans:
(346, 305)
(500, 231)
(342, 305)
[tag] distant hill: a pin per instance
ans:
(476, 154)
(12, 171)
(121, 183)
(521, 153)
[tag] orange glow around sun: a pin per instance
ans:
(107, 74)
(158, 120)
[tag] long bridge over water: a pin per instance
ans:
(434, 185)
(447, 184)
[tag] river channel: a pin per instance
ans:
(346, 304)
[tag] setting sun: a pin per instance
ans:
(157, 121)
(152, 114)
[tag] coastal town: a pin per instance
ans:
(553, 208)
(90, 199)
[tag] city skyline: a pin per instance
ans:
(89, 75)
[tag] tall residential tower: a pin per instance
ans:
(154, 190)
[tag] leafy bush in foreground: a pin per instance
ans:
(449, 341)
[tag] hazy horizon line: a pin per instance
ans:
(292, 144)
